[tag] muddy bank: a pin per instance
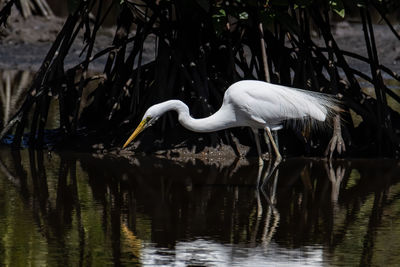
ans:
(350, 37)
(222, 155)
(24, 43)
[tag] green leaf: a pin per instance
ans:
(219, 21)
(243, 16)
(221, 13)
(338, 7)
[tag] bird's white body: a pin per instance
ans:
(259, 104)
(255, 104)
(251, 103)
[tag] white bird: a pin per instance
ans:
(256, 104)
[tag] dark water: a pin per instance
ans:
(73, 209)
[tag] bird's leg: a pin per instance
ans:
(278, 155)
(268, 144)
(257, 139)
(270, 170)
(336, 142)
(275, 135)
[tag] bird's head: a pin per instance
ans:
(149, 118)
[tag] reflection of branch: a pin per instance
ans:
(305, 178)
(12, 89)
(374, 221)
(75, 194)
(8, 174)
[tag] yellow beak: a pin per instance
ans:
(140, 128)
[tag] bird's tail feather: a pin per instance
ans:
(328, 105)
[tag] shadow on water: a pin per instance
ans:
(69, 209)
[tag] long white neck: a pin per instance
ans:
(222, 119)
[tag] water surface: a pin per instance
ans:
(69, 209)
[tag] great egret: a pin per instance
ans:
(256, 104)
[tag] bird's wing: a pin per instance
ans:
(282, 103)
(272, 104)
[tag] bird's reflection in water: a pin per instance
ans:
(336, 175)
(78, 209)
(266, 187)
